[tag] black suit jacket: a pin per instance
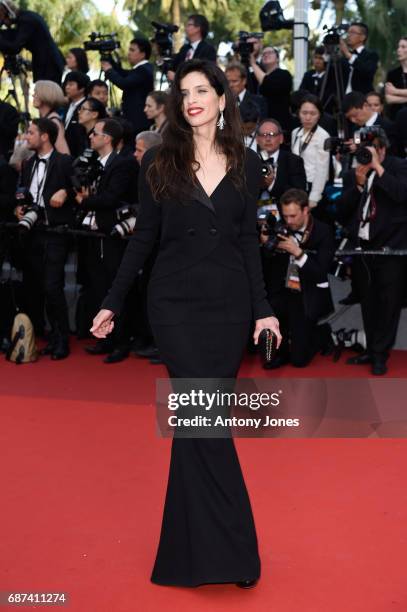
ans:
(115, 189)
(388, 126)
(389, 226)
(203, 51)
(31, 32)
(9, 119)
(59, 172)
(290, 174)
(364, 70)
(136, 85)
(252, 108)
(317, 300)
(75, 134)
(217, 234)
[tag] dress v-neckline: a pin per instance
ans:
(216, 188)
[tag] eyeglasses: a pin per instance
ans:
(85, 108)
(95, 133)
(265, 134)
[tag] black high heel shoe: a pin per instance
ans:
(247, 584)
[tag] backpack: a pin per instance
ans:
(23, 348)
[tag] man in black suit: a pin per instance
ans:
(359, 64)
(31, 32)
(297, 281)
(46, 179)
(252, 107)
(358, 112)
(313, 79)
(196, 47)
(113, 191)
(373, 206)
(286, 170)
(75, 88)
(136, 83)
(9, 119)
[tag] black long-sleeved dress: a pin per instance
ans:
(205, 289)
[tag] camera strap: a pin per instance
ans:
(367, 207)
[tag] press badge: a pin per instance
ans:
(293, 277)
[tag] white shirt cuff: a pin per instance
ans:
(301, 261)
(353, 58)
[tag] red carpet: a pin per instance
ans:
(84, 477)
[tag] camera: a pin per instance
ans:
(333, 35)
(86, 169)
(162, 39)
(267, 168)
(272, 18)
(269, 226)
(24, 198)
(245, 48)
(126, 222)
(104, 43)
(362, 138)
(15, 65)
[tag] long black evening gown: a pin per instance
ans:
(205, 289)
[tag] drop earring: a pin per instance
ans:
(221, 122)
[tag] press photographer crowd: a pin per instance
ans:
(334, 168)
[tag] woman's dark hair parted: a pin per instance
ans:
(173, 170)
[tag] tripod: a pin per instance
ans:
(17, 73)
(334, 64)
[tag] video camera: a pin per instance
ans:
(363, 138)
(245, 48)
(86, 169)
(272, 18)
(333, 36)
(162, 39)
(104, 43)
(15, 65)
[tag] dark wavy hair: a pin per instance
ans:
(172, 173)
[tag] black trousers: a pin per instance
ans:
(102, 260)
(44, 256)
(380, 282)
(208, 533)
(302, 337)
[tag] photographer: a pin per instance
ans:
(45, 190)
(100, 203)
(275, 85)
(75, 87)
(373, 206)
(297, 282)
(359, 64)
(357, 110)
(252, 107)
(312, 79)
(9, 119)
(285, 170)
(135, 83)
(30, 32)
(196, 47)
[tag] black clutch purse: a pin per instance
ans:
(267, 345)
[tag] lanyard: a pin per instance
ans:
(307, 140)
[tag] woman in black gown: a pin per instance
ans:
(198, 195)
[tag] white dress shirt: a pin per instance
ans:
(351, 61)
(316, 160)
(72, 108)
(38, 178)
